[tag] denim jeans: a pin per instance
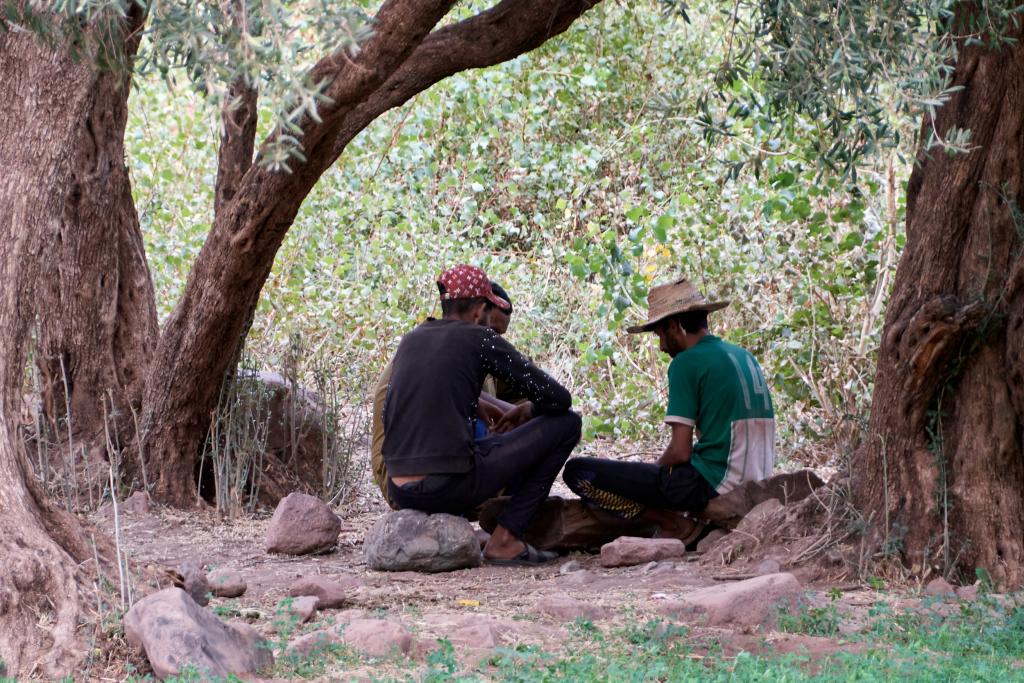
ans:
(524, 462)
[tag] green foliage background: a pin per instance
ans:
(577, 176)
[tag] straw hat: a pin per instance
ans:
(680, 296)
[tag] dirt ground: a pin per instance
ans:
(535, 606)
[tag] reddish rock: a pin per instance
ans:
(177, 634)
(136, 504)
(377, 637)
(331, 593)
(312, 644)
(705, 544)
(478, 632)
(967, 593)
(301, 608)
(192, 579)
(302, 524)
(755, 519)
(754, 602)
(939, 588)
(630, 550)
(227, 584)
(729, 508)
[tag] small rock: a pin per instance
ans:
(411, 540)
(136, 504)
(225, 583)
(768, 566)
(564, 608)
(754, 602)
(755, 519)
(570, 567)
(377, 637)
(329, 592)
(649, 567)
(302, 524)
(301, 608)
(478, 632)
(967, 593)
(939, 588)
(177, 634)
(312, 644)
(630, 550)
(194, 581)
(705, 544)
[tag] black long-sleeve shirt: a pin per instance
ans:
(435, 386)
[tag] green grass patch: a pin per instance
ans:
(979, 641)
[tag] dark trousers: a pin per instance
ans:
(629, 488)
(524, 462)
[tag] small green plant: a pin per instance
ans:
(316, 661)
(813, 621)
(441, 662)
(875, 583)
(584, 628)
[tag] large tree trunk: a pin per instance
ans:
(43, 550)
(97, 325)
(398, 62)
(944, 472)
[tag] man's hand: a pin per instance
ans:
(680, 448)
(489, 413)
(521, 414)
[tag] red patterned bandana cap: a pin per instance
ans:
(469, 282)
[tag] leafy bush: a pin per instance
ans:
(577, 176)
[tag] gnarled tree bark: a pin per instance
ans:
(97, 326)
(944, 471)
(44, 551)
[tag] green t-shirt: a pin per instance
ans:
(719, 389)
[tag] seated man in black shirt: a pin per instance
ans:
(434, 462)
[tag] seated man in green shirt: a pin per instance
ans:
(716, 392)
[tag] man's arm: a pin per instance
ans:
(503, 361)
(680, 447)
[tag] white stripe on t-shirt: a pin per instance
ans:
(751, 453)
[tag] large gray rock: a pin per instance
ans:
(628, 550)
(411, 540)
(302, 524)
(177, 634)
